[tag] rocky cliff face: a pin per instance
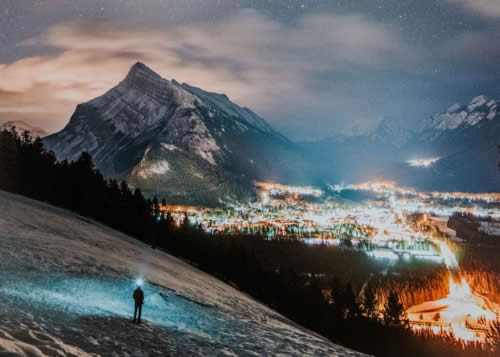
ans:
(176, 140)
(463, 116)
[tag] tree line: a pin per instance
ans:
(478, 255)
(323, 303)
(422, 283)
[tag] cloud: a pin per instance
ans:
(476, 49)
(488, 8)
(259, 62)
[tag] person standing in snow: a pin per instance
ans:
(139, 300)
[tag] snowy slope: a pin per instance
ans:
(66, 288)
(222, 103)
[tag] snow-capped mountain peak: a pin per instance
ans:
(477, 102)
(456, 116)
(130, 130)
(140, 68)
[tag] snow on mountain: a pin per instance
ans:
(139, 104)
(472, 114)
(465, 138)
(160, 167)
(220, 102)
(21, 127)
(477, 102)
(146, 121)
(454, 108)
(66, 290)
(387, 132)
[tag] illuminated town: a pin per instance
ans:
(380, 223)
(310, 213)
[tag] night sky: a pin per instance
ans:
(312, 68)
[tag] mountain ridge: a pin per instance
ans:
(21, 126)
(193, 146)
(462, 143)
(176, 140)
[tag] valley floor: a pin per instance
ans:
(66, 289)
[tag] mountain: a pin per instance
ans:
(454, 150)
(195, 147)
(176, 141)
(470, 115)
(21, 127)
(70, 294)
(358, 158)
(391, 133)
(465, 138)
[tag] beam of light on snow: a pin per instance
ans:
(61, 293)
(449, 258)
(465, 313)
(384, 255)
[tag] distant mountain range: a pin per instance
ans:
(466, 140)
(177, 141)
(22, 127)
(192, 146)
(459, 147)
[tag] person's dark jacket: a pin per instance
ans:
(139, 296)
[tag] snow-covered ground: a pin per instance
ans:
(442, 223)
(491, 228)
(66, 288)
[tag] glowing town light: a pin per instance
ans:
(465, 313)
(265, 197)
(276, 189)
(423, 162)
(461, 290)
(449, 258)
(282, 211)
(383, 254)
(462, 312)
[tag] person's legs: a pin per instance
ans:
(140, 313)
(135, 313)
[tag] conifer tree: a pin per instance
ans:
(370, 302)
(493, 336)
(185, 222)
(156, 207)
(394, 313)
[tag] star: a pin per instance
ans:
(432, 34)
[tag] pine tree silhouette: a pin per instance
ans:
(394, 313)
